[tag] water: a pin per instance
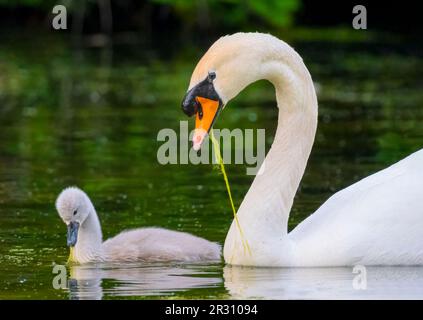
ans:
(90, 118)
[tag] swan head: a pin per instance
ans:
(229, 65)
(204, 102)
(73, 206)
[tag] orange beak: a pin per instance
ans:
(204, 120)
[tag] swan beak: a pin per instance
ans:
(204, 119)
(73, 228)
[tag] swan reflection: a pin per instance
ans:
(323, 283)
(101, 281)
(98, 281)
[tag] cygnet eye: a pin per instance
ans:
(75, 212)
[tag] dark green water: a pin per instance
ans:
(90, 118)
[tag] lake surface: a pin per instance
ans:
(90, 118)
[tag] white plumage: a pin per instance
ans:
(376, 221)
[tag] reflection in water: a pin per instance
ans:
(323, 283)
(101, 281)
(97, 281)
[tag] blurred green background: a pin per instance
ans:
(83, 107)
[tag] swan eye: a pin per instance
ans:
(75, 212)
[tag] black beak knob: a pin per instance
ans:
(189, 104)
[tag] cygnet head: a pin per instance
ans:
(73, 206)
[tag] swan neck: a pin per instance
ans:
(273, 189)
(264, 212)
(89, 244)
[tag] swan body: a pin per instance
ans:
(376, 221)
(143, 244)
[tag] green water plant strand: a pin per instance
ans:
(219, 160)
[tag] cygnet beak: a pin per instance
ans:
(73, 228)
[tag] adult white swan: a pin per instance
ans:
(376, 221)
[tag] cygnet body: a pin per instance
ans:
(143, 244)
